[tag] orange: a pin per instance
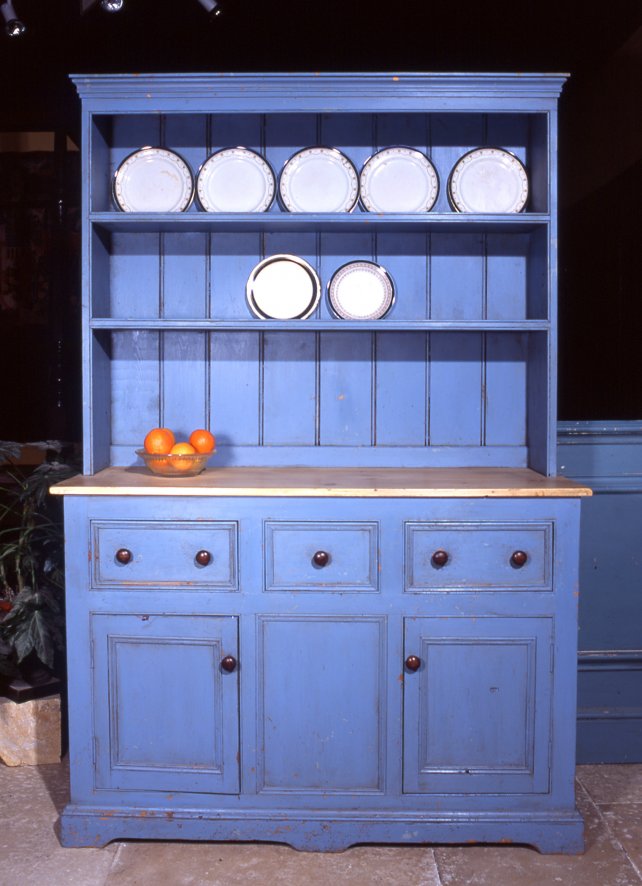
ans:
(182, 464)
(202, 440)
(159, 441)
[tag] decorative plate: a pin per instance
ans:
(235, 180)
(361, 290)
(319, 180)
(488, 180)
(153, 180)
(283, 287)
(398, 179)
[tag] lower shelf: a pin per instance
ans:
(322, 832)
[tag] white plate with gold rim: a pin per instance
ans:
(488, 180)
(319, 179)
(398, 179)
(153, 180)
(235, 180)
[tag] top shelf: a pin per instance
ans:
(196, 222)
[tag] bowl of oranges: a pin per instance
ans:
(163, 455)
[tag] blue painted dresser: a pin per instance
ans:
(359, 623)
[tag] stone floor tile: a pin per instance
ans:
(624, 820)
(612, 784)
(602, 864)
(229, 864)
(30, 851)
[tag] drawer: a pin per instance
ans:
(159, 554)
(321, 556)
(478, 556)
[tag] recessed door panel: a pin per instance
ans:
(477, 709)
(166, 712)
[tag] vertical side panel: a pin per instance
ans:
(289, 388)
(134, 276)
(457, 277)
(401, 401)
(506, 388)
(538, 394)
(234, 388)
(184, 276)
(97, 408)
(184, 381)
(456, 389)
(345, 389)
(135, 395)
(100, 257)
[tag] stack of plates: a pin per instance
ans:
(319, 180)
(153, 180)
(488, 180)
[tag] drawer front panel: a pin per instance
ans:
(478, 556)
(165, 554)
(321, 556)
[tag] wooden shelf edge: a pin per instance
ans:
(329, 483)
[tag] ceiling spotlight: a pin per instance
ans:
(112, 5)
(211, 7)
(12, 24)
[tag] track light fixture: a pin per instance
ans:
(211, 7)
(112, 5)
(12, 24)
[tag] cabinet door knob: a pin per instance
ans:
(321, 558)
(413, 662)
(124, 556)
(518, 559)
(203, 558)
(228, 663)
(439, 559)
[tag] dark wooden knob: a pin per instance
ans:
(124, 556)
(228, 663)
(518, 559)
(413, 662)
(203, 558)
(321, 558)
(439, 559)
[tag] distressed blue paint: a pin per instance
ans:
(319, 737)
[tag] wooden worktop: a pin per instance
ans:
(328, 482)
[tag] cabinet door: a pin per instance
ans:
(477, 709)
(321, 704)
(166, 711)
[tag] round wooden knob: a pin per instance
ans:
(124, 556)
(413, 662)
(321, 558)
(518, 559)
(439, 559)
(228, 663)
(203, 558)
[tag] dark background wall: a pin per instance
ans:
(600, 158)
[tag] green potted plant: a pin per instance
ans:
(31, 563)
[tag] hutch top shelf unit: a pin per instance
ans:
(460, 372)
